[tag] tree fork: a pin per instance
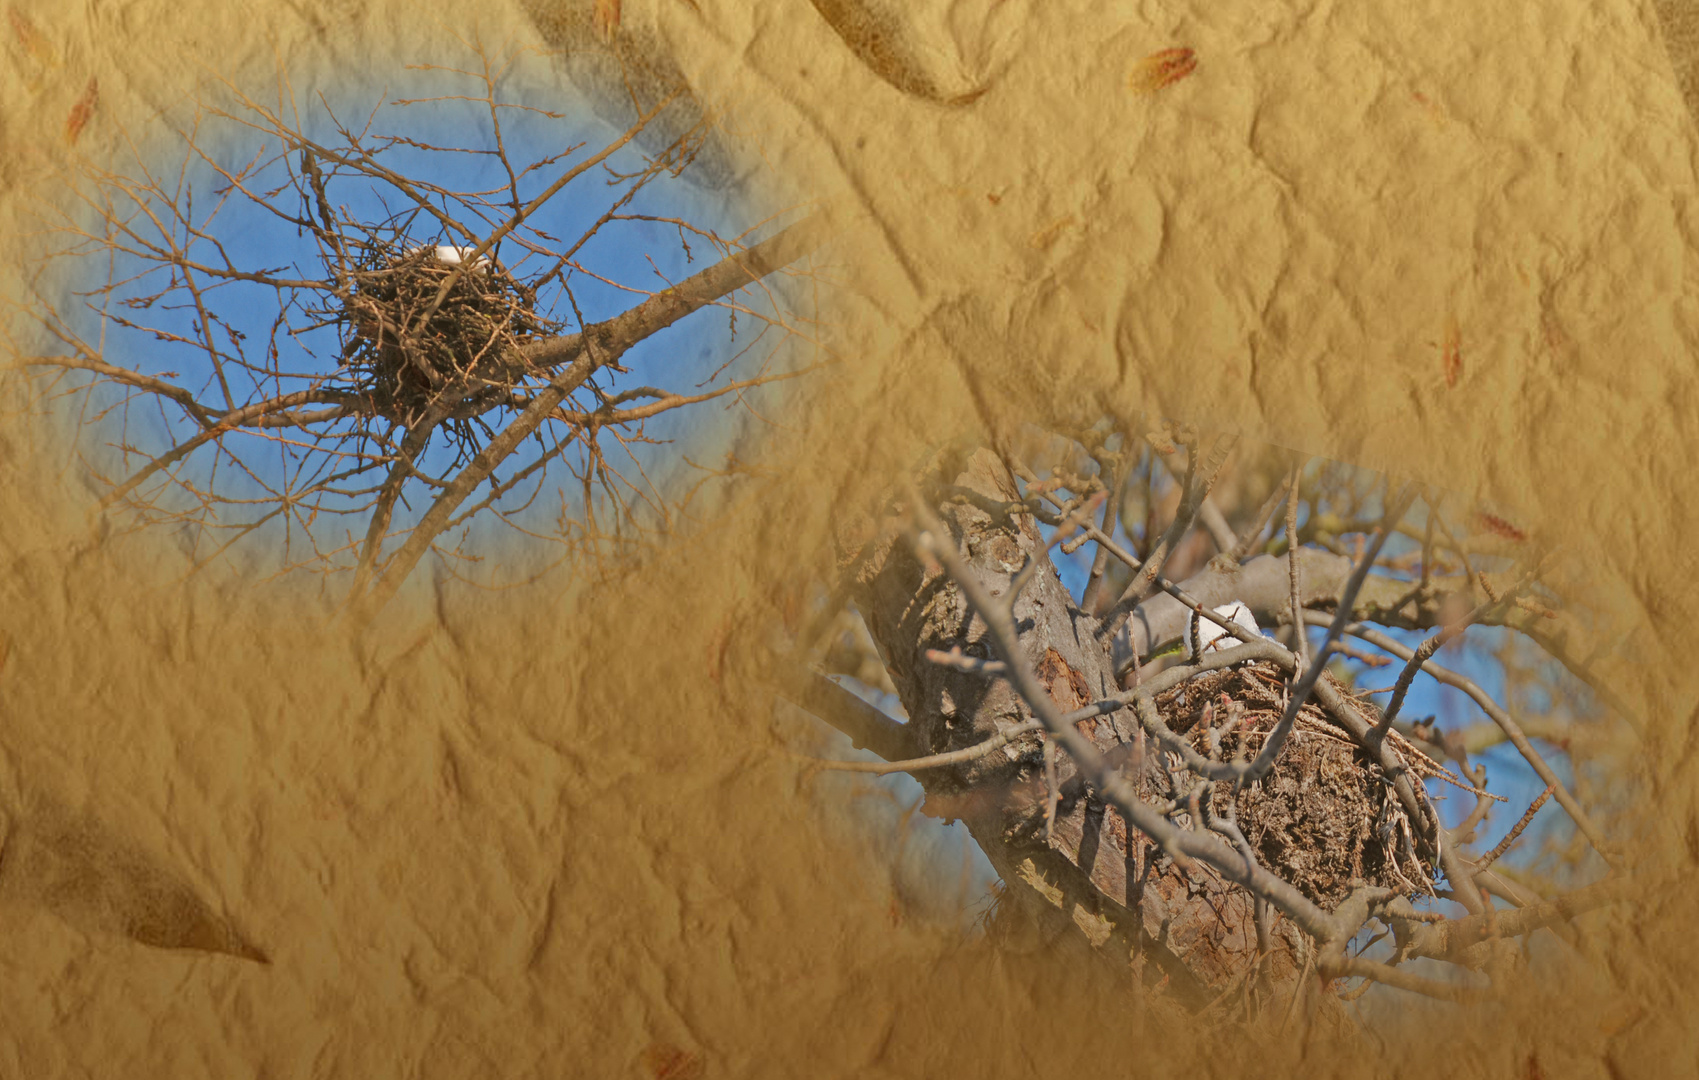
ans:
(1108, 880)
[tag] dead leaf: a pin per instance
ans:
(879, 35)
(99, 881)
(718, 648)
(82, 111)
(34, 42)
(1551, 332)
(1494, 524)
(1160, 69)
(1619, 1018)
(1451, 351)
(666, 1062)
(606, 18)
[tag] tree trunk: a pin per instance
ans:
(1193, 934)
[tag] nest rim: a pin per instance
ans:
(468, 351)
(1325, 817)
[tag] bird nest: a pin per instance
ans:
(464, 356)
(1325, 817)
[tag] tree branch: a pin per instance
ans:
(1117, 791)
(583, 353)
(867, 727)
(1512, 730)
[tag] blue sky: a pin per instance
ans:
(641, 255)
(946, 847)
(629, 255)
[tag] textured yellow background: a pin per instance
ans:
(517, 835)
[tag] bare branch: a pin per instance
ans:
(1183, 843)
(1438, 641)
(596, 347)
(1515, 830)
(1253, 533)
(1512, 731)
(1196, 488)
(867, 727)
(1461, 941)
(934, 761)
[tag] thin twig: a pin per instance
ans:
(1445, 634)
(1300, 637)
(932, 761)
(1312, 669)
(1116, 483)
(1195, 488)
(1512, 731)
(1182, 844)
(1516, 830)
(960, 661)
(1248, 541)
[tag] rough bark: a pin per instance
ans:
(1085, 878)
(1196, 931)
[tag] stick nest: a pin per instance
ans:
(1325, 814)
(465, 356)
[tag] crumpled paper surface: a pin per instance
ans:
(517, 836)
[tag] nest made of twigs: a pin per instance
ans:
(464, 356)
(1326, 814)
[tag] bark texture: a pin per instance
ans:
(1192, 933)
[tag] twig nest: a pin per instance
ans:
(402, 356)
(1325, 815)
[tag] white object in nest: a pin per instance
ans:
(454, 256)
(1212, 637)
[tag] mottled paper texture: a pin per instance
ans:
(519, 835)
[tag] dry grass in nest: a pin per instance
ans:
(465, 356)
(1325, 814)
